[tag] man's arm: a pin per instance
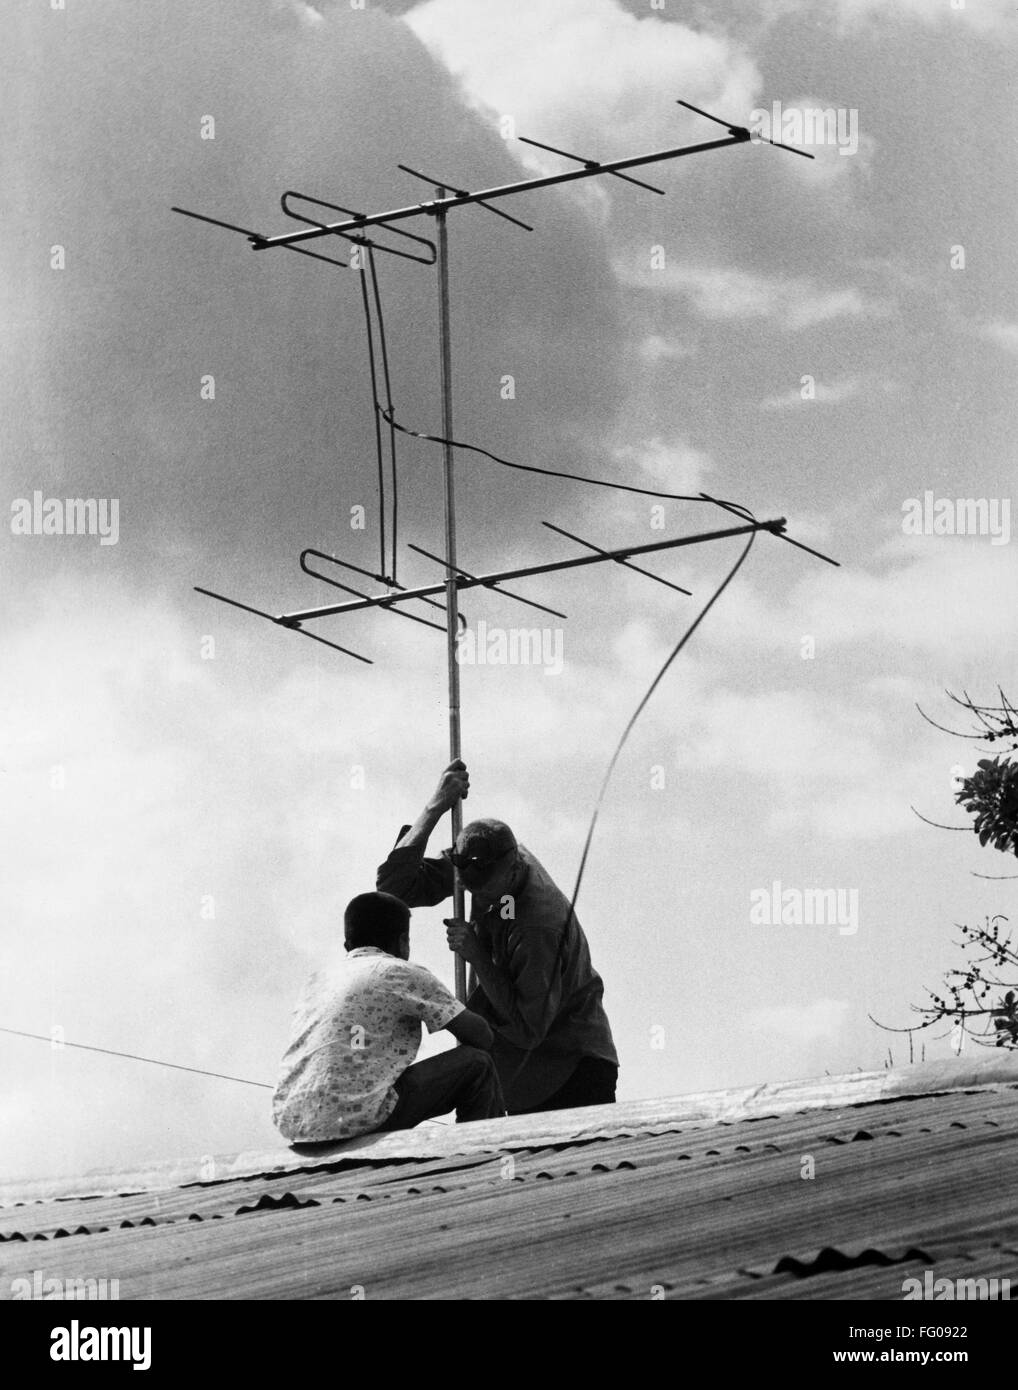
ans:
(417, 881)
(472, 1030)
(526, 993)
(453, 786)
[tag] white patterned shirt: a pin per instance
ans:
(356, 1029)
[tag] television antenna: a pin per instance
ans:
(351, 226)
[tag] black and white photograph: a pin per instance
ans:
(509, 740)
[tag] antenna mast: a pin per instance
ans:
(451, 596)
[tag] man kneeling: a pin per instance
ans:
(350, 1070)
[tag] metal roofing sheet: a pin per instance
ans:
(431, 1141)
(896, 1119)
(722, 1211)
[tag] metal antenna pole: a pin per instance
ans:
(451, 595)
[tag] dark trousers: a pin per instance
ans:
(462, 1079)
(592, 1083)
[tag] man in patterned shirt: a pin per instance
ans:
(350, 1070)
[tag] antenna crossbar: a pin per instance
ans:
(294, 620)
(435, 206)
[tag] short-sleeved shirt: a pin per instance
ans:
(356, 1029)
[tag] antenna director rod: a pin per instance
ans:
(441, 205)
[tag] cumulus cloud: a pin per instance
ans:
(834, 765)
(656, 348)
(1005, 335)
(583, 70)
(297, 11)
(983, 16)
(674, 464)
(786, 734)
(726, 293)
(942, 593)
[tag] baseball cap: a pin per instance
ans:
(482, 842)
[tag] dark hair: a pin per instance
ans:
(375, 919)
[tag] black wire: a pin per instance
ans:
(737, 507)
(388, 412)
(564, 936)
(574, 477)
(133, 1056)
(378, 427)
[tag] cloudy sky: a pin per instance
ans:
(190, 795)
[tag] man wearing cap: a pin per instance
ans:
(531, 974)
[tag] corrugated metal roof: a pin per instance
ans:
(530, 1131)
(712, 1206)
